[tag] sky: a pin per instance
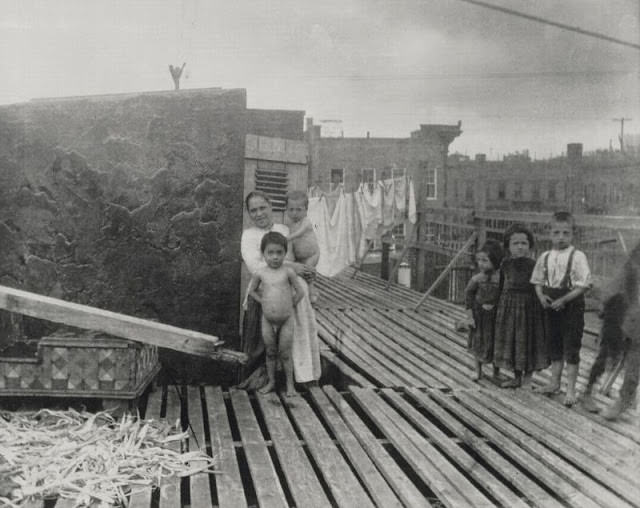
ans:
(382, 66)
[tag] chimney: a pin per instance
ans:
(481, 158)
(574, 152)
(367, 134)
(309, 123)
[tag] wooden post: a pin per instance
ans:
(447, 269)
(384, 262)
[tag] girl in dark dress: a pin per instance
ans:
(481, 297)
(520, 339)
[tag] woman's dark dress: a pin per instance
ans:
(520, 338)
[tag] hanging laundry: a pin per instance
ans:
(388, 202)
(400, 190)
(411, 210)
(336, 233)
(371, 214)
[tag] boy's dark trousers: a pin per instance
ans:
(565, 327)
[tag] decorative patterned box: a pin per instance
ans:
(81, 364)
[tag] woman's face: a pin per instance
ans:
(260, 212)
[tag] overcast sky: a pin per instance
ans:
(383, 66)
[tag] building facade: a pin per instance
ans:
(350, 161)
(606, 183)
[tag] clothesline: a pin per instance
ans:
(343, 222)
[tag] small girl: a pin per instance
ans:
(481, 297)
(520, 339)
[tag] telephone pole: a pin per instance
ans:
(621, 137)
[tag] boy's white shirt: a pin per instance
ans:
(557, 266)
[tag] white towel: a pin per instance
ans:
(388, 202)
(411, 212)
(305, 351)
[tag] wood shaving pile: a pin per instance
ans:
(88, 457)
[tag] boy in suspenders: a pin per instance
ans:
(561, 277)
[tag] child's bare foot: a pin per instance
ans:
(269, 387)
(589, 404)
(510, 383)
(570, 398)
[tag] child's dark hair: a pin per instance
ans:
(563, 216)
(256, 194)
(273, 237)
(494, 252)
(517, 227)
(297, 195)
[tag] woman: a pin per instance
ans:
(305, 353)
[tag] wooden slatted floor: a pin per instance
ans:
(391, 448)
(404, 426)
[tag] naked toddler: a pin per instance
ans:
(277, 289)
(301, 235)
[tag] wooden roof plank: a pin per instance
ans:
(199, 487)
(265, 479)
(564, 445)
(120, 325)
(533, 492)
(388, 467)
(170, 491)
(567, 471)
(229, 482)
(569, 493)
(502, 493)
(430, 467)
(364, 467)
(345, 487)
(302, 480)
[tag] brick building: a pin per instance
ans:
(600, 183)
(351, 161)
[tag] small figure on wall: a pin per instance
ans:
(176, 73)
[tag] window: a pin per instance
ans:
(368, 176)
(398, 172)
(468, 193)
(551, 191)
(398, 231)
(502, 190)
(535, 191)
(430, 180)
(337, 177)
(517, 190)
(272, 179)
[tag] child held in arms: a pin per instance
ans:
(278, 291)
(301, 235)
(561, 278)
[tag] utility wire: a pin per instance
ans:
(553, 23)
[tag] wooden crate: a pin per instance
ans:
(81, 364)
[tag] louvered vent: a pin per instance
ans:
(272, 179)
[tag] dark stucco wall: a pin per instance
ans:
(132, 203)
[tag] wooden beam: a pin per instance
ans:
(446, 271)
(113, 323)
